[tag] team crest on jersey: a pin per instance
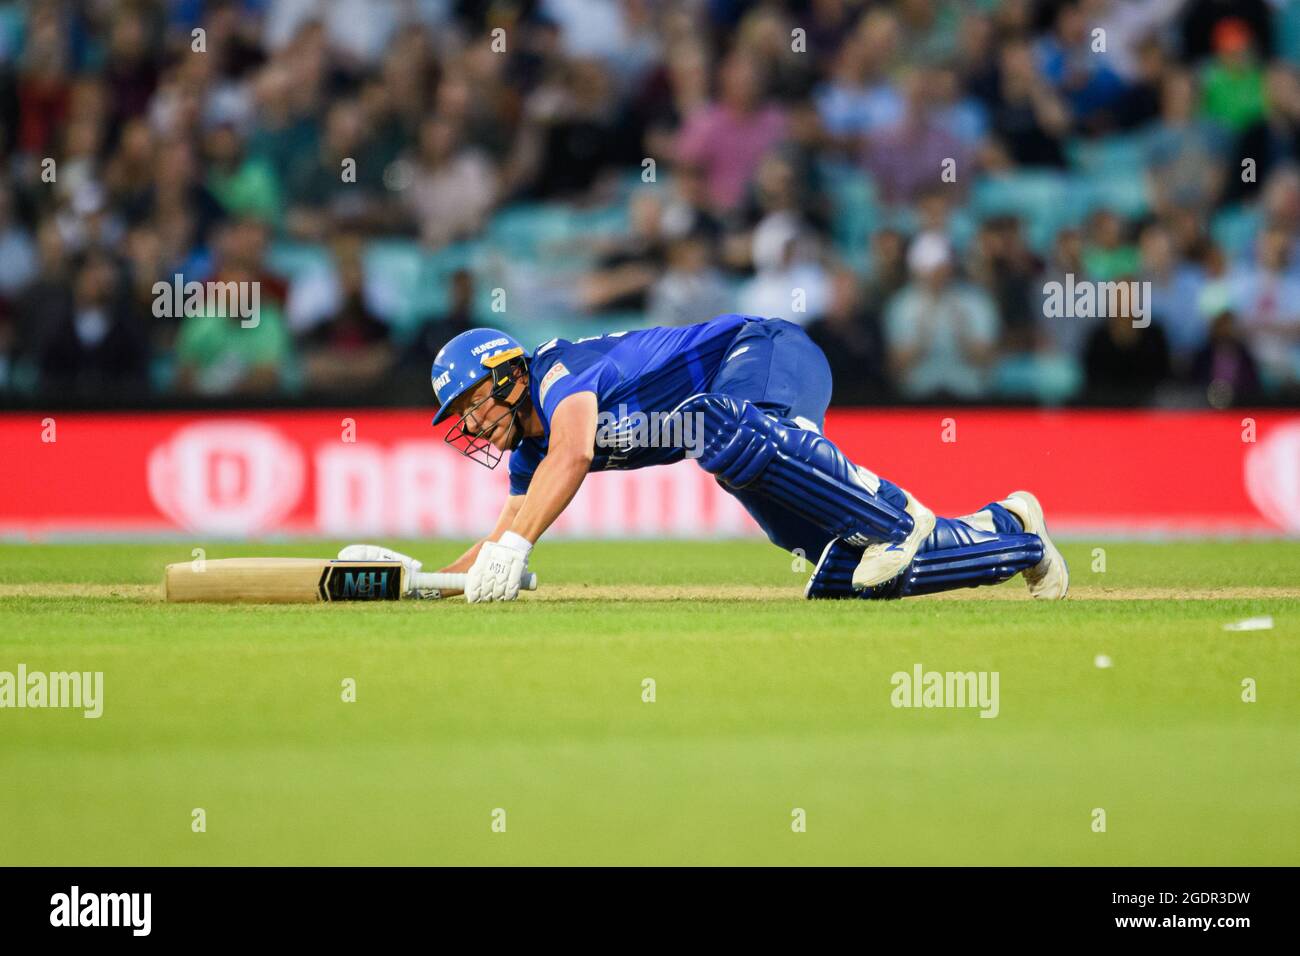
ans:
(557, 372)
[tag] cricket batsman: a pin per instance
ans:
(756, 391)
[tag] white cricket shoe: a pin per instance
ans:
(1049, 579)
(885, 560)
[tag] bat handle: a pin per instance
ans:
(448, 581)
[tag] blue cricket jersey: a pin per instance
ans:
(646, 370)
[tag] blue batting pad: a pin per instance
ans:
(833, 576)
(749, 449)
(955, 555)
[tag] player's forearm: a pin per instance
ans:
(504, 520)
(556, 482)
(553, 487)
(464, 562)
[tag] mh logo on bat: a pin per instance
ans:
(364, 584)
(361, 584)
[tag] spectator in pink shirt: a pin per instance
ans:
(908, 157)
(727, 139)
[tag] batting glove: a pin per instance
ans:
(498, 570)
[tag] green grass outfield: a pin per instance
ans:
(764, 703)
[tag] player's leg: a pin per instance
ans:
(988, 547)
(783, 527)
(762, 421)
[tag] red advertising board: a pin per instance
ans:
(385, 472)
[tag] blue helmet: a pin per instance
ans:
(461, 364)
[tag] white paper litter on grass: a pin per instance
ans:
(1264, 623)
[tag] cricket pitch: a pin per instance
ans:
(658, 702)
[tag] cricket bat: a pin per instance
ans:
(301, 581)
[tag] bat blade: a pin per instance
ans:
(282, 581)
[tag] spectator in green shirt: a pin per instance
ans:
(1109, 251)
(223, 350)
(243, 185)
(1232, 86)
(217, 355)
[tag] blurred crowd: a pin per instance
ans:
(902, 178)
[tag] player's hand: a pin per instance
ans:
(498, 570)
(374, 552)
